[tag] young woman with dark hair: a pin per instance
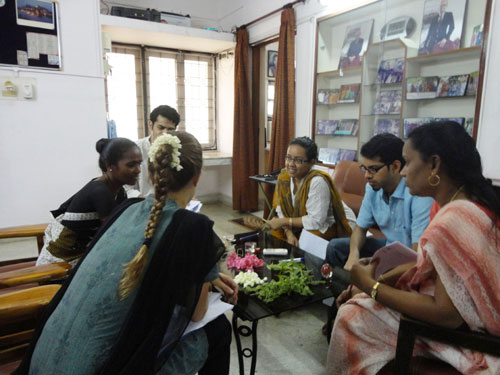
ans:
(305, 198)
(75, 222)
(146, 275)
(455, 279)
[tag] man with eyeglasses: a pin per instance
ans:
(387, 202)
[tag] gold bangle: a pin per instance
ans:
(290, 222)
(374, 290)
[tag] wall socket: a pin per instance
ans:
(12, 88)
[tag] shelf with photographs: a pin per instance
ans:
(392, 40)
(382, 93)
(337, 111)
(443, 88)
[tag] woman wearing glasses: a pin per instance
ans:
(454, 282)
(307, 199)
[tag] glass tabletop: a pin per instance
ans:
(250, 307)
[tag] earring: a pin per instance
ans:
(110, 169)
(436, 182)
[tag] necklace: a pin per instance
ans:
(456, 193)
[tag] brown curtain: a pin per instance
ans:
(283, 125)
(246, 135)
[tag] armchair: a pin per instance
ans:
(409, 329)
(19, 312)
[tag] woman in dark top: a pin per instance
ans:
(75, 222)
(125, 307)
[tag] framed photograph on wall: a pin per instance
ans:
(442, 25)
(357, 38)
(272, 63)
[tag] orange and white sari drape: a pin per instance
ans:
(461, 246)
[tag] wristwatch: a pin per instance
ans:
(374, 290)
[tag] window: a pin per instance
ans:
(182, 80)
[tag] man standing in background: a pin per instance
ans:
(161, 120)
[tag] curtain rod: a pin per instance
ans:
(289, 5)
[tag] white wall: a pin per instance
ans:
(489, 131)
(202, 13)
(47, 146)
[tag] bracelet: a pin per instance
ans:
(374, 290)
(290, 222)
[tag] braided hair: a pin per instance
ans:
(165, 179)
(460, 160)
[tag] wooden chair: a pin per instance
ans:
(36, 230)
(21, 274)
(19, 312)
(409, 329)
(34, 274)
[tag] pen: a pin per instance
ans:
(248, 237)
(295, 260)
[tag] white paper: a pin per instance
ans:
(194, 206)
(22, 58)
(32, 42)
(215, 308)
(313, 244)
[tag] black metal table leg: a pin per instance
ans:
(245, 331)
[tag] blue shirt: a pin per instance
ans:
(403, 218)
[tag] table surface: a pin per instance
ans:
(264, 179)
(250, 307)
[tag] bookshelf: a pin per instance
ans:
(332, 34)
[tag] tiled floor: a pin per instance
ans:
(289, 344)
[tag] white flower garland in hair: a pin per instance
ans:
(173, 141)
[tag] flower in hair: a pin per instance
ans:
(174, 142)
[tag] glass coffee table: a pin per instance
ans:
(250, 309)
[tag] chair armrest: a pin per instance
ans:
(482, 342)
(27, 275)
(35, 230)
(25, 304)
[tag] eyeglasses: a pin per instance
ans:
(289, 159)
(373, 169)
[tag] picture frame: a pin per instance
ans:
(272, 63)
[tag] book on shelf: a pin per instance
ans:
(328, 96)
(349, 93)
(390, 71)
(334, 155)
(452, 85)
(469, 125)
(422, 87)
(323, 96)
(333, 98)
(477, 35)
(326, 126)
(355, 128)
(387, 126)
(472, 84)
(458, 120)
(388, 102)
(411, 123)
(346, 127)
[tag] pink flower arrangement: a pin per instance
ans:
(246, 264)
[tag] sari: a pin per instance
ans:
(283, 198)
(461, 246)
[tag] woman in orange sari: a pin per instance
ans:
(455, 281)
(307, 199)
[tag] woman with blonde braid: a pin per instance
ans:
(126, 305)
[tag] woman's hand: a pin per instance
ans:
(346, 295)
(291, 238)
(363, 274)
(227, 285)
(277, 223)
